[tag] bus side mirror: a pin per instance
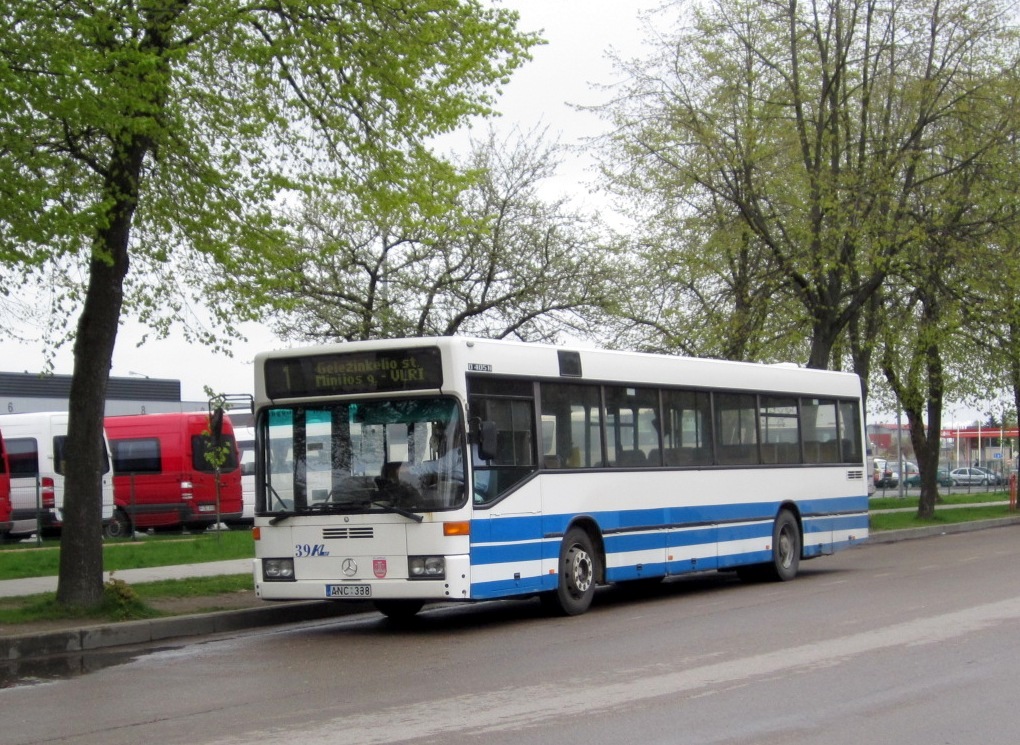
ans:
(487, 440)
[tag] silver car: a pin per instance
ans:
(993, 476)
(967, 476)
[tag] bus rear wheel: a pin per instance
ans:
(786, 544)
(578, 574)
(786, 547)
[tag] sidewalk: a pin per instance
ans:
(33, 585)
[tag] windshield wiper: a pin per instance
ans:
(282, 514)
(276, 494)
(279, 517)
(315, 508)
(399, 511)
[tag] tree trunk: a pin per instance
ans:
(80, 582)
(927, 445)
(926, 448)
(823, 338)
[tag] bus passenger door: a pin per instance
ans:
(506, 530)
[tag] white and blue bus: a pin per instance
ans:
(452, 469)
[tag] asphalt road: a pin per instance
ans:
(911, 642)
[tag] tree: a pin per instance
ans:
(720, 301)
(165, 135)
(493, 258)
(811, 123)
(992, 304)
(950, 280)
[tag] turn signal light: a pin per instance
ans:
(458, 528)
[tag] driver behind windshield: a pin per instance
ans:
(447, 442)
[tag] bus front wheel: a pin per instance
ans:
(577, 576)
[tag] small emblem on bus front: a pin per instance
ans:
(379, 567)
(349, 567)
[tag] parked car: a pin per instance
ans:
(884, 476)
(942, 477)
(968, 476)
(993, 477)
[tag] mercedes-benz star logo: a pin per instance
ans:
(349, 567)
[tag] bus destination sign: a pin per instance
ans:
(354, 372)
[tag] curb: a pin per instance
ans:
(26, 647)
(22, 647)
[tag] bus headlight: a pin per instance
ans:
(278, 570)
(426, 567)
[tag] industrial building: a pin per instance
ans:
(22, 393)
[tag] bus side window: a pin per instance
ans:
(736, 429)
(779, 423)
(850, 432)
(576, 412)
(686, 428)
(631, 433)
(820, 431)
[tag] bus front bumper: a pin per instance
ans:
(310, 585)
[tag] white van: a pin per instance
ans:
(245, 437)
(35, 452)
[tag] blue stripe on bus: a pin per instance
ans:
(520, 539)
(548, 549)
(513, 552)
(522, 528)
(508, 587)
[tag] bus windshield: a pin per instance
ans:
(404, 456)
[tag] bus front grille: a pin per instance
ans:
(340, 534)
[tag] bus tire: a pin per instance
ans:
(577, 575)
(399, 610)
(119, 525)
(786, 547)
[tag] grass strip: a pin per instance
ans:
(18, 561)
(894, 503)
(123, 602)
(905, 520)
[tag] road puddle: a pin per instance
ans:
(41, 670)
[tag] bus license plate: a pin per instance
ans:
(348, 591)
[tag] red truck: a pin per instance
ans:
(169, 470)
